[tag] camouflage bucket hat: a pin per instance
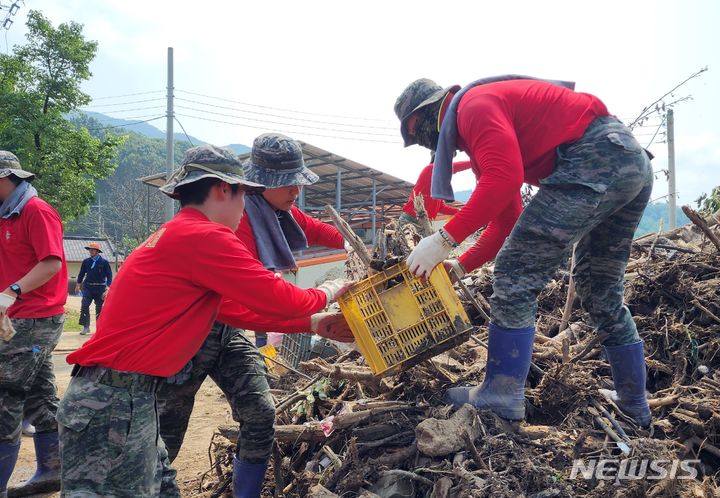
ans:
(10, 165)
(277, 161)
(419, 93)
(209, 161)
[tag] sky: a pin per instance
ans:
(335, 68)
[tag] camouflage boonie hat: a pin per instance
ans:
(10, 165)
(277, 161)
(418, 94)
(209, 161)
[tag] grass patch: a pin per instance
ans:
(71, 324)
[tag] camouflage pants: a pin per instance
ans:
(237, 367)
(27, 380)
(595, 197)
(109, 441)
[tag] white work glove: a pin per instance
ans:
(332, 326)
(6, 301)
(348, 247)
(454, 269)
(7, 331)
(333, 289)
(429, 253)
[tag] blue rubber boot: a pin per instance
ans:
(261, 339)
(508, 364)
(627, 363)
(247, 478)
(47, 476)
(8, 457)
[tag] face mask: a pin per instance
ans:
(426, 131)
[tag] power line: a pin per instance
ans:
(127, 103)
(290, 132)
(283, 124)
(126, 95)
(282, 109)
(126, 124)
(288, 117)
(127, 110)
(183, 129)
(656, 132)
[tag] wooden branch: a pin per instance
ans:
(702, 225)
(338, 371)
(657, 235)
(474, 301)
(426, 228)
(296, 396)
(349, 235)
(408, 475)
(709, 313)
(599, 337)
(567, 310)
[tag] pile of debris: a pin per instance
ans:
(344, 432)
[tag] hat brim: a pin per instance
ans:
(436, 96)
(251, 188)
(20, 173)
(88, 248)
(277, 178)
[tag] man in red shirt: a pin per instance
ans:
(108, 423)
(594, 183)
(271, 229)
(34, 277)
(433, 207)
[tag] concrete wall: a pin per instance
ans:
(308, 275)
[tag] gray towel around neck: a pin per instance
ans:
(277, 234)
(14, 204)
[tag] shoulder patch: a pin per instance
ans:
(154, 238)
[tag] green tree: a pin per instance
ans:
(709, 204)
(39, 84)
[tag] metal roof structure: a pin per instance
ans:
(75, 251)
(362, 195)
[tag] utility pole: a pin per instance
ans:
(170, 135)
(672, 194)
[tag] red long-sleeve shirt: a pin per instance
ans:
(510, 130)
(166, 296)
(237, 315)
(422, 187)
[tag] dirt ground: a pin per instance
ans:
(211, 410)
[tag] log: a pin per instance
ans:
(702, 225)
(338, 371)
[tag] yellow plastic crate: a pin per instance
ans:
(399, 321)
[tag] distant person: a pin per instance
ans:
(34, 276)
(95, 278)
(433, 207)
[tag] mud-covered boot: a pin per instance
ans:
(47, 476)
(247, 478)
(627, 363)
(8, 458)
(508, 364)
